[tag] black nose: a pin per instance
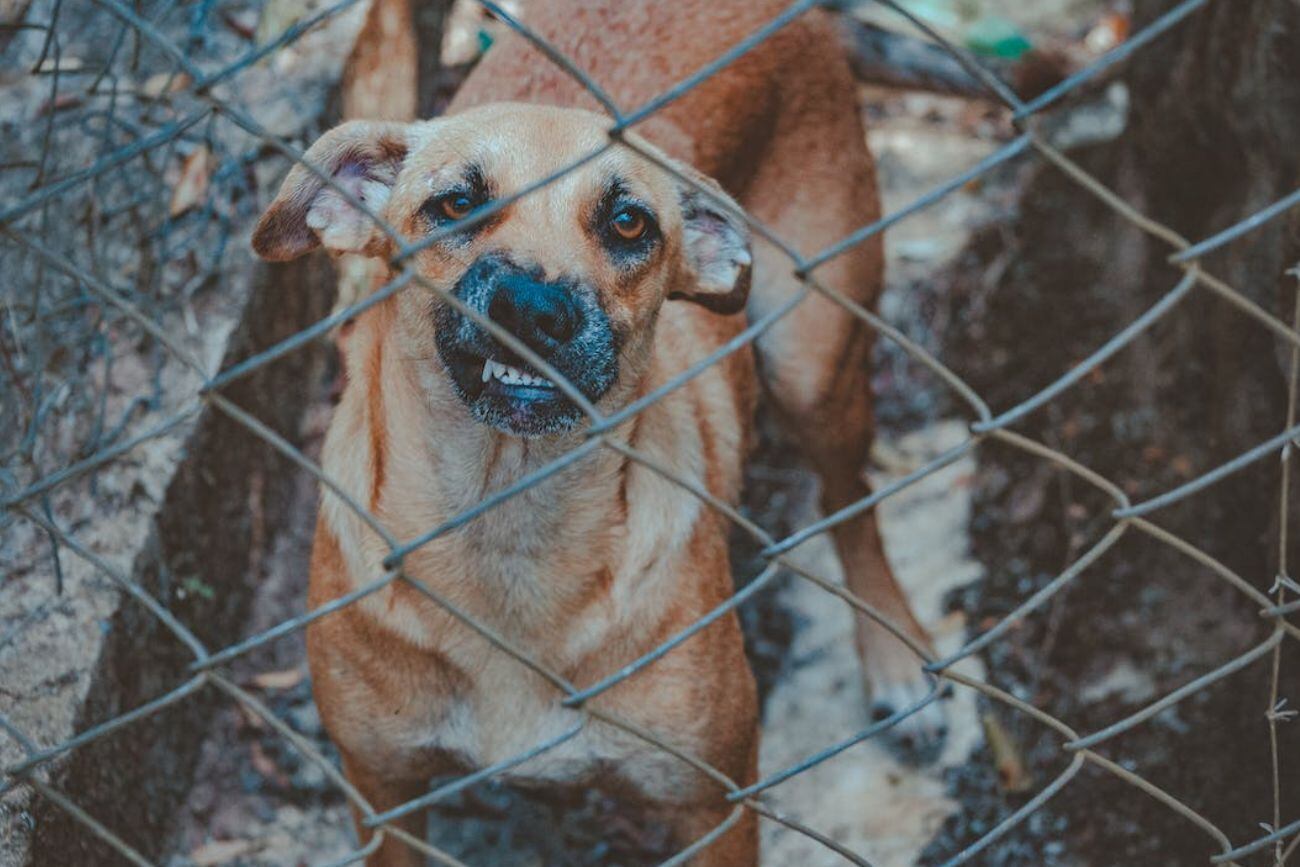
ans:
(542, 315)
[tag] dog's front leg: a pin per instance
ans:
(738, 847)
(383, 792)
(692, 821)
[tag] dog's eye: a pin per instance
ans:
(629, 223)
(452, 206)
(456, 206)
(627, 229)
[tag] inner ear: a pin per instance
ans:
(715, 247)
(361, 159)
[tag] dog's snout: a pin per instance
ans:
(543, 315)
(557, 319)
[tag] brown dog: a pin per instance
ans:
(594, 273)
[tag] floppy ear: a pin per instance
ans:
(715, 247)
(362, 157)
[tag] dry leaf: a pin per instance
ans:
(243, 22)
(1183, 465)
(62, 65)
(12, 13)
(261, 761)
(162, 83)
(266, 766)
(221, 852)
(1110, 31)
(1006, 756)
(249, 719)
(286, 679)
(192, 187)
(62, 102)
(1027, 500)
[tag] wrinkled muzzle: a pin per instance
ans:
(560, 320)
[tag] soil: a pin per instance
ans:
(1140, 622)
(79, 375)
(978, 281)
(1036, 295)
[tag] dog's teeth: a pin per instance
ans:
(512, 375)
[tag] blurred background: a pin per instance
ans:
(127, 191)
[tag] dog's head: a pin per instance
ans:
(577, 270)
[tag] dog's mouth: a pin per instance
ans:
(505, 392)
(561, 321)
(506, 379)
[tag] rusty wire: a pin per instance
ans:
(207, 105)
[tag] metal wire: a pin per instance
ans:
(199, 103)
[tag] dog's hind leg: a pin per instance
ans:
(816, 184)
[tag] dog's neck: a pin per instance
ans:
(406, 449)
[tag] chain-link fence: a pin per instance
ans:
(132, 127)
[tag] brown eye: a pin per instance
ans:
(629, 224)
(456, 206)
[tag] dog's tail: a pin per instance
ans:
(890, 59)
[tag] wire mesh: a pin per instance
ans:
(132, 135)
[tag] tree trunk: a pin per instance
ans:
(1212, 135)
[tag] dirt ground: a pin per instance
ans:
(969, 543)
(78, 375)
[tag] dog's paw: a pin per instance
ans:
(918, 724)
(907, 700)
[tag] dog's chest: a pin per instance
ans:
(563, 612)
(505, 717)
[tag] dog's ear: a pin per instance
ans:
(715, 247)
(362, 157)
